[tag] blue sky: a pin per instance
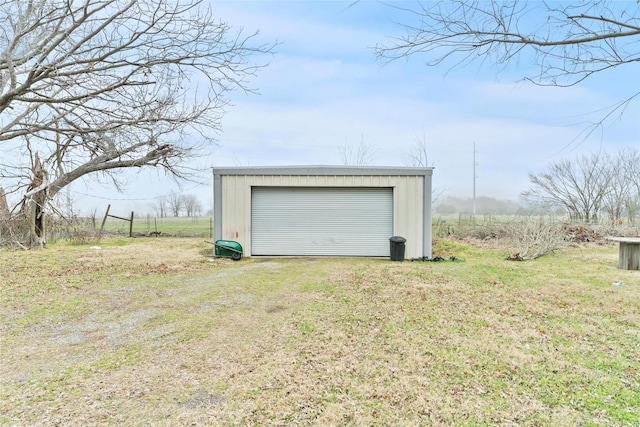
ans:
(325, 89)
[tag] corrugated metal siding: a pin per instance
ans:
(321, 221)
(407, 203)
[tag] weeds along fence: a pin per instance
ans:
(526, 237)
(490, 226)
(86, 229)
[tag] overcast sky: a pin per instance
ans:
(324, 89)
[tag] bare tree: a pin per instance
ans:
(578, 186)
(362, 155)
(175, 202)
(633, 204)
(160, 206)
(418, 155)
(92, 86)
(624, 189)
(192, 205)
(565, 42)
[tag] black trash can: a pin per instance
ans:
(397, 248)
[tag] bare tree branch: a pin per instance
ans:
(94, 86)
(565, 43)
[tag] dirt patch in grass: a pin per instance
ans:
(157, 333)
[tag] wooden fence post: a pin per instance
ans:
(104, 220)
(130, 219)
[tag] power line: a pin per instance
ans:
(132, 199)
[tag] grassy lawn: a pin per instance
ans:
(154, 332)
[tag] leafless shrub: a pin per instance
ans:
(531, 238)
(619, 228)
(524, 238)
(15, 229)
(487, 232)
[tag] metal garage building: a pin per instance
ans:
(323, 210)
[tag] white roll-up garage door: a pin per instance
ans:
(321, 221)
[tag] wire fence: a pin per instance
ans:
(86, 229)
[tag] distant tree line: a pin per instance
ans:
(174, 204)
(589, 186)
(484, 206)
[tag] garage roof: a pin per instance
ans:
(322, 170)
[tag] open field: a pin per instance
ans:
(173, 226)
(154, 332)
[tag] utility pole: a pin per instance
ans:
(474, 184)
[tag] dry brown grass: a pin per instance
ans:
(153, 332)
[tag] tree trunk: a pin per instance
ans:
(38, 203)
(4, 214)
(37, 220)
(4, 207)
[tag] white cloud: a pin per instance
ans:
(323, 89)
